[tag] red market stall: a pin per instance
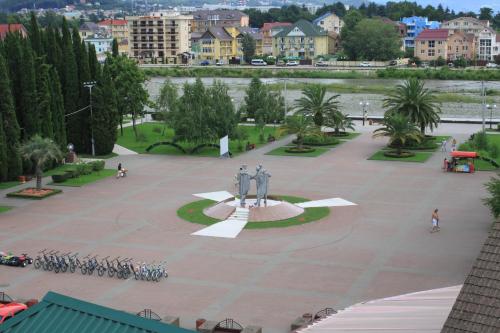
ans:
(461, 161)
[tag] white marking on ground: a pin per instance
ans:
(215, 196)
(229, 228)
(332, 202)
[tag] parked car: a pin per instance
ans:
(491, 65)
(8, 311)
(321, 63)
(280, 63)
(451, 65)
(393, 63)
(219, 63)
(292, 63)
(258, 62)
(365, 64)
(205, 63)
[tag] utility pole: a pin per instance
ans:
(483, 94)
(89, 85)
(364, 105)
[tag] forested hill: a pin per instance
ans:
(15, 5)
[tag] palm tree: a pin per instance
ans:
(40, 151)
(399, 130)
(301, 125)
(313, 103)
(343, 123)
(415, 102)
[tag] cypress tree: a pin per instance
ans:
(77, 50)
(31, 120)
(105, 110)
(44, 101)
(71, 90)
(95, 68)
(53, 48)
(57, 108)
(114, 48)
(35, 36)
(10, 161)
(84, 117)
(12, 46)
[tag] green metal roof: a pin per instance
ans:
(309, 29)
(62, 314)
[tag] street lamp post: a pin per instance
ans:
(90, 85)
(491, 107)
(364, 105)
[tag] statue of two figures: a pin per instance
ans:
(243, 179)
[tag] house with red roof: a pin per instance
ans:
(431, 44)
(12, 28)
(268, 31)
(118, 29)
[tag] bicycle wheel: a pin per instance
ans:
(56, 269)
(83, 269)
(72, 268)
(50, 266)
(111, 272)
(37, 263)
(148, 276)
(136, 275)
(119, 274)
(100, 271)
(64, 268)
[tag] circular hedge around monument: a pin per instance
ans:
(403, 154)
(296, 150)
(193, 212)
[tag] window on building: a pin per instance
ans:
(422, 51)
(422, 43)
(432, 43)
(431, 52)
(440, 42)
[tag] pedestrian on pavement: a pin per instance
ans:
(454, 144)
(443, 146)
(435, 221)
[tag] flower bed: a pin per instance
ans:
(394, 154)
(33, 193)
(296, 150)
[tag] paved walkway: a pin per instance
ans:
(379, 248)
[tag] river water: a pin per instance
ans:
(349, 102)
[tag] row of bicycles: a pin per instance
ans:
(122, 268)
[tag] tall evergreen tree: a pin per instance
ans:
(71, 90)
(95, 69)
(54, 55)
(10, 161)
(35, 35)
(44, 104)
(57, 108)
(83, 118)
(105, 114)
(13, 52)
(114, 49)
(31, 120)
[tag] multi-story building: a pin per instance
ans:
(204, 19)
(329, 22)
(468, 25)
(486, 44)
(303, 40)
(432, 44)
(89, 29)
(101, 43)
(160, 37)
(460, 45)
(268, 31)
(414, 26)
(225, 43)
(118, 29)
(12, 28)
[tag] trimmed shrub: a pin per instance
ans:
(322, 140)
(59, 178)
(303, 150)
(84, 168)
(394, 154)
(480, 141)
(72, 173)
(98, 165)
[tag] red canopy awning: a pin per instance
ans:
(464, 154)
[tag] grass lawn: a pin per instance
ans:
(6, 185)
(150, 135)
(281, 152)
(87, 179)
(4, 209)
(101, 157)
(420, 157)
(493, 139)
(193, 212)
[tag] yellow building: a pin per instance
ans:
(432, 44)
(119, 31)
(204, 19)
(303, 40)
(162, 37)
(329, 22)
(225, 43)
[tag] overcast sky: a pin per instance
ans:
(462, 5)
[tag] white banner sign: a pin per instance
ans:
(224, 146)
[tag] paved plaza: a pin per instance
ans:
(380, 247)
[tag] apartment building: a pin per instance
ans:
(414, 26)
(468, 25)
(329, 22)
(460, 45)
(204, 19)
(162, 37)
(303, 40)
(268, 31)
(89, 29)
(118, 29)
(432, 44)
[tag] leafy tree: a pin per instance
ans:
(314, 104)
(400, 130)
(166, 101)
(416, 102)
(105, 114)
(10, 132)
(44, 102)
(248, 44)
(343, 123)
(254, 97)
(486, 13)
(301, 125)
(352, 18)
(493, 202)
(40, 151)
(114, 48)
(223, 120)
(372, 39)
